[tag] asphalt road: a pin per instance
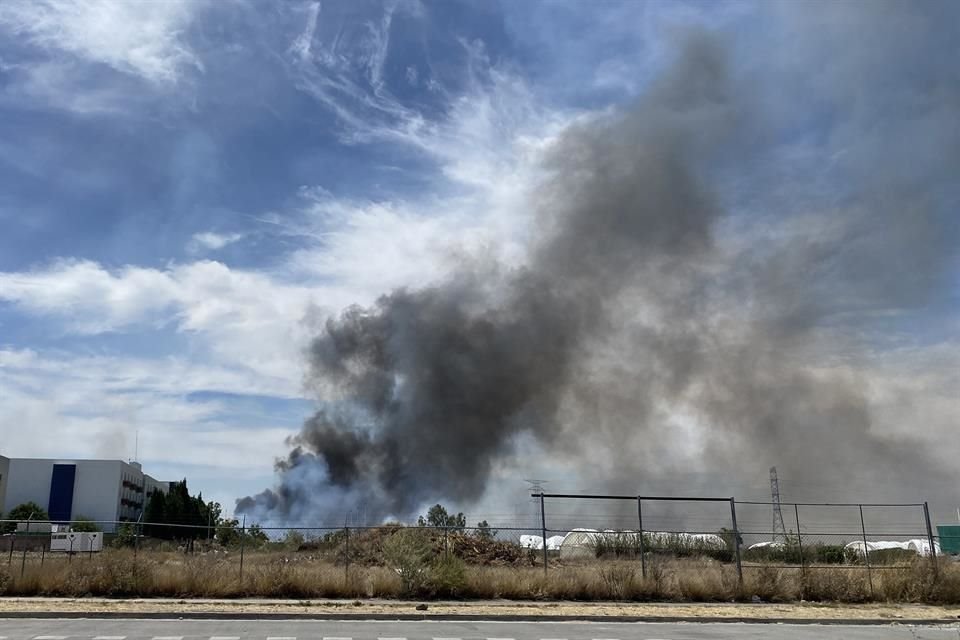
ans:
(74, 629)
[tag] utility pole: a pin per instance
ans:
(779, 532)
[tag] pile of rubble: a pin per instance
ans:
(365, 547)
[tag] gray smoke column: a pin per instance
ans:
(645, 296)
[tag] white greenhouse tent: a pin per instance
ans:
(919, 546)
(536, 542)
(582, 543)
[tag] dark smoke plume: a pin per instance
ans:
(651, 326)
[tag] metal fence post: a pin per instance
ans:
(346, 556)
(137, 532)
(13, 539)
(933, 549)
(23, 560)
(866, 551)
(736, 538)
(796, 512)
(643, 551)
(243, 538)
(543, 531)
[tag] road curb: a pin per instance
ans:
(452, 617)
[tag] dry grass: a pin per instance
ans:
(116, 573)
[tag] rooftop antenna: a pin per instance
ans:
(779, 531)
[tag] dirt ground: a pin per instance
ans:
(485, 608)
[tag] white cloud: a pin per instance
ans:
(211, 241)
(98, 406)
(90, 298)
(144, 39)
(236, 317)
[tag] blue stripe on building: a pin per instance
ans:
(61, 492)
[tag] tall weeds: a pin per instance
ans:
(117, 573)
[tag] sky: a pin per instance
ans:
(189, 189)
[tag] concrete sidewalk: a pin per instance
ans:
(799, 613)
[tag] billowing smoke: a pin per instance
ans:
(665, 322)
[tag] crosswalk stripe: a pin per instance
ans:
(224, 637)
(336, 638)
(377, 639)
(281, 637)
(110, 638)
(499, 638)
(50, 637)
(167, 637)
(446, 639)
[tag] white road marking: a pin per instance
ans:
(378, 639)
(50, 637)
(499, 638)
(110, 638)
(281, 637)
(167, 637)
(224, 637)
(336, 638)
(446, 639)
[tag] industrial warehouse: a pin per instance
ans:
(107, 491)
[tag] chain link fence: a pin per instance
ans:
(586, 547)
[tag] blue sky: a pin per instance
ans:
(187, 189)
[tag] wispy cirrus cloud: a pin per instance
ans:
(144, 39)
(95, 57)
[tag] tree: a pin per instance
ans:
(28, 511)
(231, 534)
(484, 531)
(437, 516)
(177, 507)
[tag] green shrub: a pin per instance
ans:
(627, 544)
(408, 553)
(448, 577)
(126, 536)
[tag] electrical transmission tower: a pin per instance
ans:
(779, 531)
(536, 486)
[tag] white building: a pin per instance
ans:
(102, 490)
